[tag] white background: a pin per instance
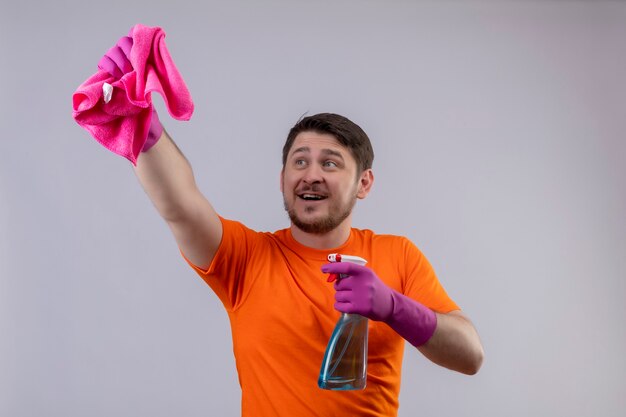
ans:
(500, 151)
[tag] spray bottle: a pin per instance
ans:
(345, 362)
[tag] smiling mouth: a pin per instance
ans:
(311, 197)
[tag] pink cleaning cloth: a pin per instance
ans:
(122, 124)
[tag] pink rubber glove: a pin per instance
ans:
(117, 63)
(360, 291)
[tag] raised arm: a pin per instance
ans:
(167, 178)
(162, 169)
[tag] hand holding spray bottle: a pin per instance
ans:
(345, 362)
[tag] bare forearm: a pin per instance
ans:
(167, 177)
(455, 344)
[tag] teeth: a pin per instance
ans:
(312, 197)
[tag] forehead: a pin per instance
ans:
(315, 142)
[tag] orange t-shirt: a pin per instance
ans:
(281, 314)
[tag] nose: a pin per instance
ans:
(312, 175)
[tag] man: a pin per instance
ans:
(273, 285)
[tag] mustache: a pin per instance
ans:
(314, 188)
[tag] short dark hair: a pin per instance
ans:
(348, 133)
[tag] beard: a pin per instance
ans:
(338, 212)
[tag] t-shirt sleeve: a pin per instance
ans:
(422, 283)
(226, 273)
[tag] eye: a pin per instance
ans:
(330, 164)
(299, 162)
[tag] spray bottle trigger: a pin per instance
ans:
(332, 277)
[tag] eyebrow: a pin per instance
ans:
(331, 152)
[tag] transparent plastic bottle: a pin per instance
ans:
(345, 362)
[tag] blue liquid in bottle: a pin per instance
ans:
(345, 362)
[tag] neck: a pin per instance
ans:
(333, 239)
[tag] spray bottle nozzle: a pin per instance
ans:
(337, 257)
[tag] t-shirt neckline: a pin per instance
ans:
(317, 254)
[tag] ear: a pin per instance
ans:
(366, 181)
(282, 180)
